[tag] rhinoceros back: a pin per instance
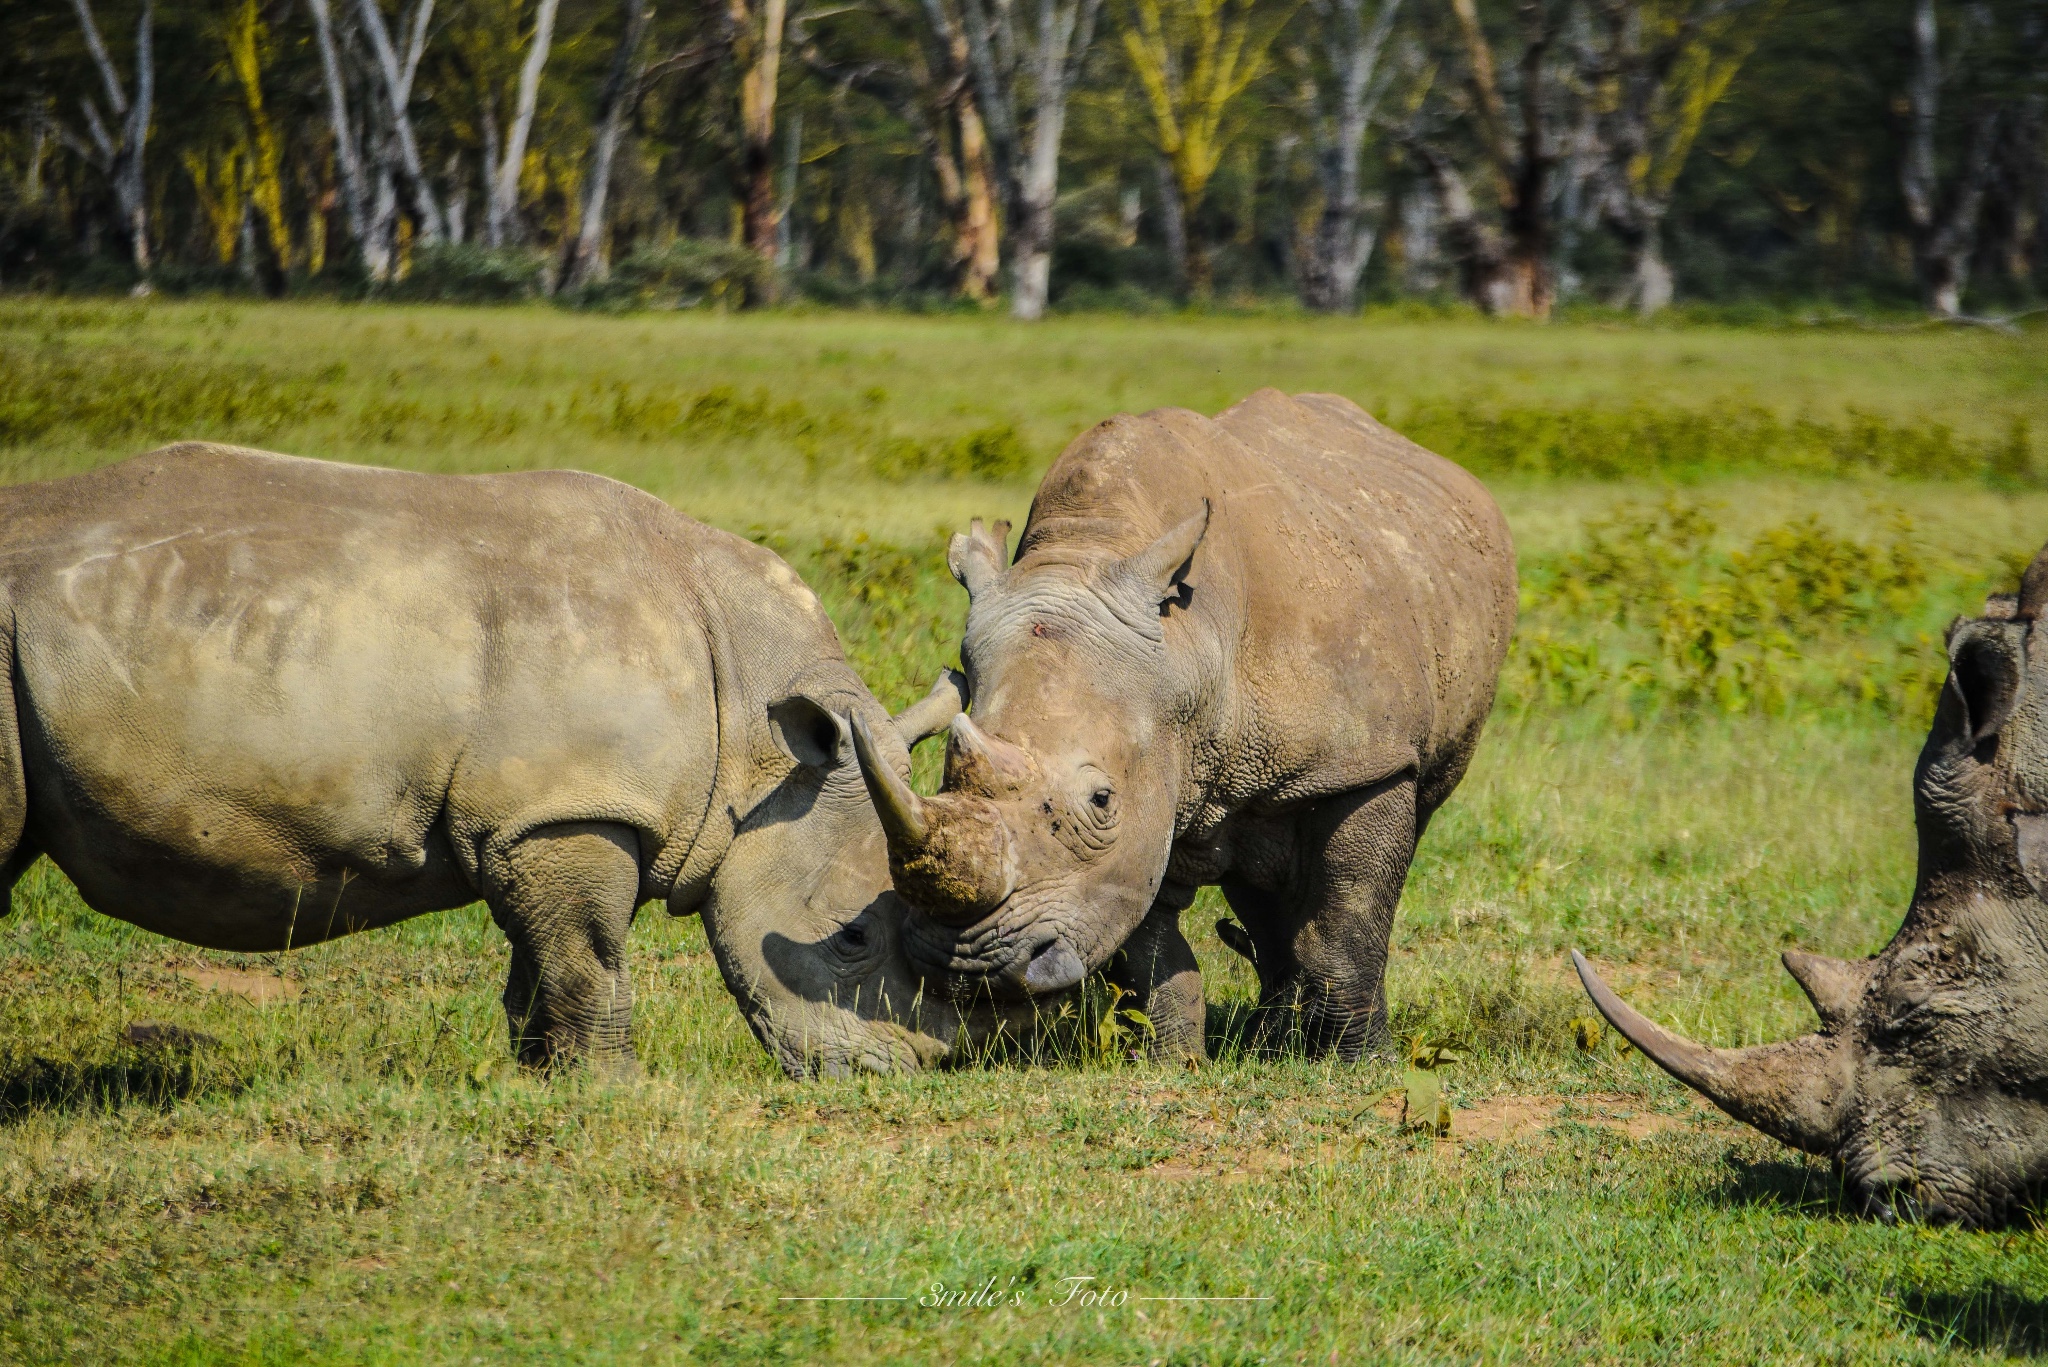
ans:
(261, 701)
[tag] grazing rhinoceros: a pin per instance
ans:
(259, 702)
(1928, 1080)
(1256, 651)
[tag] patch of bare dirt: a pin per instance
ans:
(258, 987)
(1219, 1165)
(1508, 1119)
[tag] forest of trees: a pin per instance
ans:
(1516, 154)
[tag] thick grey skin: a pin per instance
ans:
(1275, 702)
(258, 702)
(1927, 1082)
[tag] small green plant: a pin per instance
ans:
(1424, 1106)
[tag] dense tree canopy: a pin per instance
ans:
(1517, 153)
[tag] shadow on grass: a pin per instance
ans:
(1990, 1318)
(1227, 1029)
(153, 1077)
(1784, 1184)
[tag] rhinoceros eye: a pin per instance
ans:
(852, 935)
(1101, 798)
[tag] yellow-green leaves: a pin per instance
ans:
(1423, 1103)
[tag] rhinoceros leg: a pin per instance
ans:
(1159, 968)
(16, 851)
(1322, 942)
(564, 896)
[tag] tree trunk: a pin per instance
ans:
(397, 80)
(1650, 283)
(123, 161)
(1485, 275)
(1031, 260)
(347, 155)
(586, 260)
(979, 245)
(1335, 255)
(1030, 180)
(501, 221)
(1943, 233)
(1527, 221)
(757, 120)
(1173, 225)
(1037, 188)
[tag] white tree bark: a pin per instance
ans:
(122, 160)
(501, 222)
(1943, 232)
(398, 101)
(1342, 242)
(348, 155)
(1063, 31)
(615, 102)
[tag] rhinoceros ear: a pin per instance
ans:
(1157, 572)
(809, 732)
(1987, 665)
(976, 557)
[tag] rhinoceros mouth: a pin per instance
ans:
(1027, 958)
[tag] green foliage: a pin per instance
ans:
(1637, 441)
(464, 273)
(1652, 613)
(120, 395)
(897, 607)
(991, 453)
(688, 272)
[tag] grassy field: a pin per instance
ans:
(1702, 756)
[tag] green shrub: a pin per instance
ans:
(464, 273)
(1653, 613)
(1597, 442)
(991, 453)
(126, 395)
(687, 272)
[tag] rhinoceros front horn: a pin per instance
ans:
(949, 855)
(1791, 1091)
(896, 802)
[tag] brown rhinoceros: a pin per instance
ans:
(1254, 651)
(1927, 1082)
(259, 702)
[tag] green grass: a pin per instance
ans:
(353, 1172)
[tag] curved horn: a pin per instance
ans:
(977, 762)
(1834, 986)
(928, 716)
(950, 855)
(899, 806)
(1790, 1091)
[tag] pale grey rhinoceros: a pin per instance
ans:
(1927, 1082)
(1256, 651)
(258, 702)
